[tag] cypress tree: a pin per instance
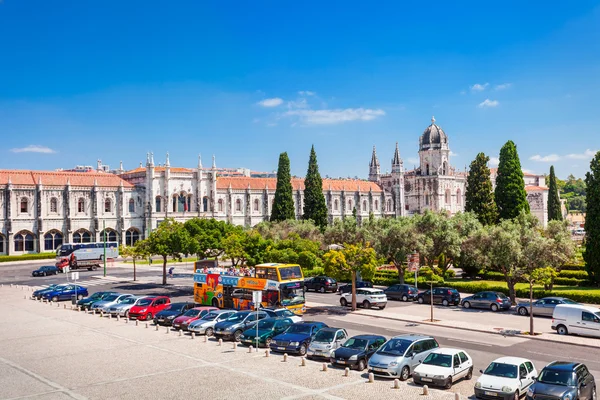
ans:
(283, 205)
(592, 221)
(554, 208)
(480, 194)
(510, 193)
(315, 208)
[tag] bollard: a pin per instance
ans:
(250, 349)
(267, 353)
(167, 330)
(78, 308)
(147, 325)
(117, 317)
(193, 335)
(220, 342)
(101, 314)
(347, 371)
(324, 367)
(371, 377)
(22, 287)
(234, 346)
(136, 322)
(456, 396)
(180, 332)
(109, 316)
(156, 328)
(425, 390)
(25, 297)
(11, 285)
(284, 357)
(57, 305)
(65, 306)
(396, 384)
(205, 338)
(126, 320)
(303, 362)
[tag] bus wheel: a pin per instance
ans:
(215, 303)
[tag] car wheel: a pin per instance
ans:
(445, 303)
(149, 317)
(420, 300)
(494, 307)
(237, 335)
(55, 298)
(344, 302)
(209, 331)
(404, 374)
(562, 330)
(302, 350)
(448, 383)
(305, 288)
(382, 307)
(523, 311)
(404, 297)
(127, 314)
(43, 274)
(366, 304)
(517, 395)
(79, 296)
(361, 365)
(322, 290)
(466, 304)
(469, 374)
(268, 342)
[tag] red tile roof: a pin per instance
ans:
(531, 188)
(60, 178)
(297, 184)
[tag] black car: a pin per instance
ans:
(347, 288)
(356, 351)
(45, 270)
(563, 380)
(321, 284)
(166, 316)
(401, 292)
(441, 295)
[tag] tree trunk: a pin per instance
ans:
(511, 290)
(353, 290)
(134, 268)
(164, 270)
(400, 269)
(531, 332)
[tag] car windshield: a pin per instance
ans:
(375, 292)
(174, 307)
(128, 300)
(145, 302)
(300, 328)
(112, 297)
(501, 295)
(353, 343)
(122, 299)
(96, 295)
(556, 377)
(395, 347)
(209, 317)
(192, 313)
(266, 325)
(502, 370)
(440, 360)
(324, 336)
(569, 301)
(237, 317)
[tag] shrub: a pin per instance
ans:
(573, 267)
(568, 281)
(450, 273)
(423, 281)
(573, 274)
(313, 272)
(26, 257)
(493, 276)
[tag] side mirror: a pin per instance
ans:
(414, 354)
(481, 371)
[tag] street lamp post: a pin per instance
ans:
(104, 240)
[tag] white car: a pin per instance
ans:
(366, 297)
(443, 367)
(325, 342)
(122, 309)
(110, 300)
(284, 312)
(206, 324)
(506, 378)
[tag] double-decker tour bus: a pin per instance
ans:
(282, 285)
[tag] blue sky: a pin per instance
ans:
(112, 80)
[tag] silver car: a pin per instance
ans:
(400, 355)
(110, 300)
(122, 309)
(543, 307)
(206, 324)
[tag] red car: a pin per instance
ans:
(184, 320)
(147, 307)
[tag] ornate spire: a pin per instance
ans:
(374, 161)
(432, 119)
(120, 165)
(147, 159)
(396, 160)
(214, 162)
(199, 161)
(152, 159)
(167, 162)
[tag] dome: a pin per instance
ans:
(433, 136)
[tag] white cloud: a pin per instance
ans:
(33, 148)
(479, 87)
(488, 103)
(336, 116)
(274, 102)
(548, 158)
(503, 86)
(453, 154)
(494, 161)
(306, 93)
(586, 155)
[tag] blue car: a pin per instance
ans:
(296, 338)
(38, 294)
(65, 292)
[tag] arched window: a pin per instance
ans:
(81, 205)
(53, 205)
(2, 247)
(111, 236)
(220, 205)
(426, 199)
(458, 198)
(389, 205)
(131, 205)
(107, 206)
(82, 236)
(350, 204)
(52, 240)
(256, 205)
(426, 169)
(364, 205)
(376, 205)
(336, 205)
(238, 205)
(24, 205)
(444, 168)
(24, 241)
(157, 204)
(205, 204)
(447, 196)
(131, 236)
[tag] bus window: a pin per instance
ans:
(267, 273)
(292, 272)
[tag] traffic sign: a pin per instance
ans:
(74, 275)
(413, 261)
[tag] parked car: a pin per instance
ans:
(87, 302)
(166, 316)
(366, 297)
(443, 367)
(45, 270)
(122, 308)
(356, 351)
(401, 292)
(297, 337)
(325, 341)
(38, 293)
(321, 284)
(494, 301)
(234, 326)
(148, 307)
(543, 307)
(505, 378)
(182, 322)
(282, 312)
(206, 324)
(104, 304)
(262, 333)
(441, 295)
(400, 355)
(65, 293)
(347, 288)
(563, 380)
(576, 319)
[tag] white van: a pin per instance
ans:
(576, 319)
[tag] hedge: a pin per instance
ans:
(313, 272)
(573, 267)
(27, 257)
(573, 274)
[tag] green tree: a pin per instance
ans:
(283, 229)
(208, 234)
(562, 249)
(480, 192)
(283, 205)
(510, 194)
(554, 208)
(170, 239)
(344, 231)
(138, 251)
(592, 221)
(315, 208)
(543, 276)
(353, 259)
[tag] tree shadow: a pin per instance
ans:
(327, 310)
(156, 289)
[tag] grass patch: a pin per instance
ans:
(28, 257)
